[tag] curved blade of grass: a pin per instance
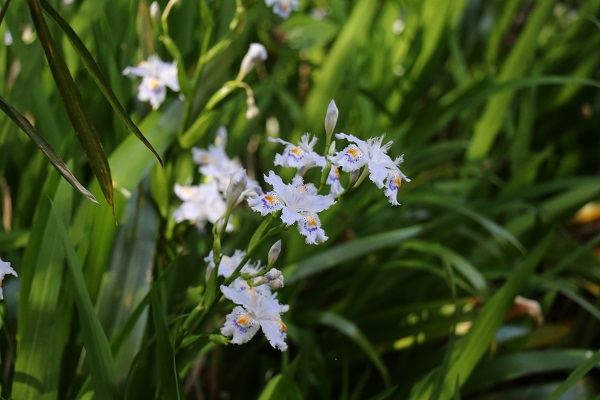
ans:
(450, 203)
(470, 348)
(515, 366)
(24, 124)
(339, 59)
(170, 386)
(569, 291)
(488, 126)
(94, 70)
(101, 364)
(348, 251)
(43, 313)
(349, 329)
(576, 375)
(460, 263)
(281, 387)
(76, 110)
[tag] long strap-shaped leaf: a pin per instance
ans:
(74, 104)
(101, 364)
(45, 147)
(94, 71)
(471, 348)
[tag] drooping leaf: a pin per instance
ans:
(101, 363)
(24, 124)
(96, 74)
(78, 114)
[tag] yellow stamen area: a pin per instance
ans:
(242, 320)
(398, 181)
(154, 83)
(354, 152)
(283, 326)
(296, 151)
(311, 221)
(335, 171)
(271, 199)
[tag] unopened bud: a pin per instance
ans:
(252, 111)
(255, 54)
(219, 339)
(274, 253)
(221, 137)
(237, 184)
(332, 148)
(274, 279)
(155, 11)
(331, 118)
(354, 175)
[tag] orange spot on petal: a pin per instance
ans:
(354, 152)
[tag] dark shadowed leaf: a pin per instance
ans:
(94, 71)
(45, 147)
(73, 101)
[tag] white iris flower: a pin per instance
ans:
(299, 202)
(215, 163)
(374, 155)
(228, 264)
(156, 76)
(201, 203)
(256, 309)
(333, 180)
(283, 8)
(5, 269)
(300, 156)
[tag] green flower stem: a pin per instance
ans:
(351, 187)
(202, 311)
(195, 81)
(327, 168)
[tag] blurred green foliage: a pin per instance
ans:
(495, 105)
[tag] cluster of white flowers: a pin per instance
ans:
(372, 155)
(5, 269)
(299, 203)
(255, 308)
(256, 303)
(225, 185)
(156, 76)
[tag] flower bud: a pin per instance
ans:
(255, 54)
(252, 111)
(331, 118)
(238, 182)
(332, 148)
(274, 253)
(155, 11)
(354, 175)
(274, 279)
